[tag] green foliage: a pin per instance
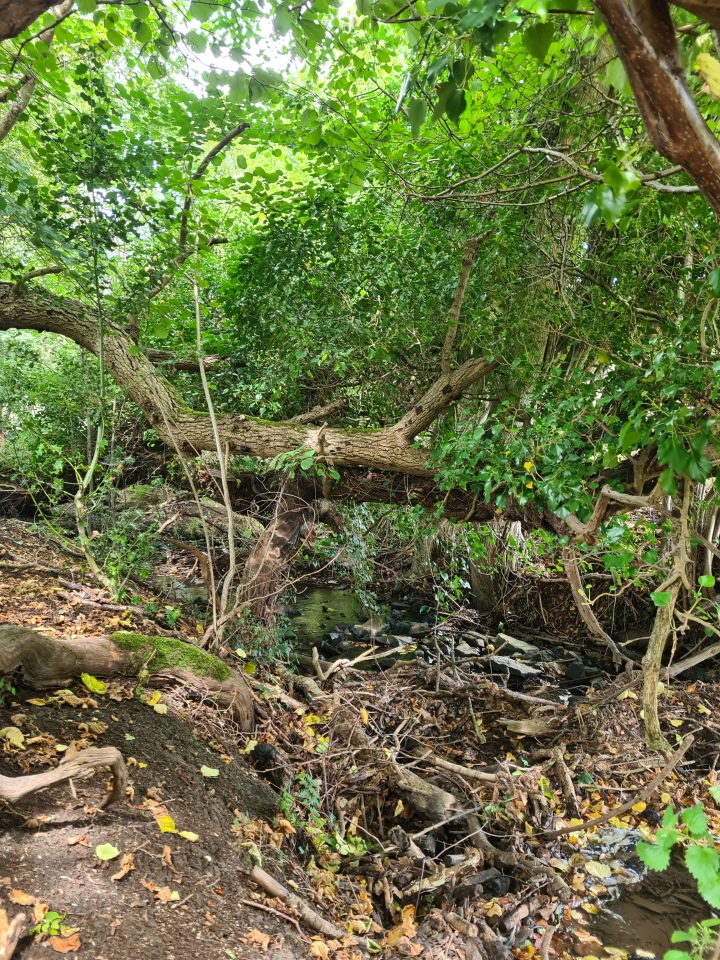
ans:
(690, 830)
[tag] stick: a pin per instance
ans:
(566, 781)
(643, 795)
(277, 913)
(466, 772)
(78, 765)
(313, 919)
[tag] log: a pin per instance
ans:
(49, 662)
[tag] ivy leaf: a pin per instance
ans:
(661, 598)
(706, 580)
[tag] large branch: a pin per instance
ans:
(16, 15)
(645, 40)
(383, 449)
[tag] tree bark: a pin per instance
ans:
(16, 15)
(46, 662)
(388, 448)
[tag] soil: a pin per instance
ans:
(48, 842)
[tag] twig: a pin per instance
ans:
(642, 795)
(546, 941)
(566, 781)
(278, 913)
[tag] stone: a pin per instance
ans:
(387, 640)
(514, 667)
(402, 626)
(513, 647)
(464, 649)
(418, 629)
(575, 670)
(474, 639)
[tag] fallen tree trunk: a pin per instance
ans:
(47, 662)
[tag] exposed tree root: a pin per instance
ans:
(75, 767)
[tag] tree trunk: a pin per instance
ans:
(46, 662)
(652, 662)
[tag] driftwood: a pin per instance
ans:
(48, 662)
(71, 768)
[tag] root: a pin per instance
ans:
(77, 766)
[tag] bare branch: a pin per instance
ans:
(471, 249)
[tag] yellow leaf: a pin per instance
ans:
(312, 719)
(189, 835)
(528, 464)
(142, 765)
(399, 807)
(166, 824)
(154, 698)
(665, 797)
(160, 708)
(13, 736)
(703, 709)
(529, 484)
(106, 851)
(597, 869)
(92, 683)
(709, 69)
(37, 702)
(364, 715)
(676, 723)
(639, 807)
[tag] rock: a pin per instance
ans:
(371, 628)
(475, 640)
(402, 626)
(496, 887)
(514, 667)
(575, 670)
(387, 640)
(464, 649)
(417, 629)
(513, 647)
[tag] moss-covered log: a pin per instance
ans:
(48, 662)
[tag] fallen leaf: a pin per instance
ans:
(160, 708)
(83, 840)
(154, 698)
(65, 944)
(319, 949)
(165, 894)
(21, 898)
(93, 684)
(597, 869)
(167, 858)
(364, 715)
(13, 736)
(261, 939)
(149, 885)
(406, 928)
(209, 771)
(166, 824)
(126, 865)
(106, 851)
(188, 835)
(406, 948)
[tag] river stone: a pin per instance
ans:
(474, 639)
(514, 667)
(387, 640)
(518, 648)
(465, 650)
(418, 629)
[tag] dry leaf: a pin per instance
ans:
(22, 899)
(166, 824)
(126, 865)
(83, 840)
(406, 948)
(39, 911)
(167, 858)
(149, 885)
(406, 928)
(261, 939)
(4, 924)
(600, 870)
(65, 944)
(319, 949)
(165, 894)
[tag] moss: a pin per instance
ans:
(160, 653)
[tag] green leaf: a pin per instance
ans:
(661, 598)
(283, 22)
(87, 6)
(142, 31)
(456, 105)
(706, 580)
(106, 851)
(615, 76)
(704, 864)
(201, 11)
(714, 280)
(115, 38)
(695, 820)
(537, 40)
(417, 112)
(93, 685)
(209, 771)
(677, 955)
(653, 855)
